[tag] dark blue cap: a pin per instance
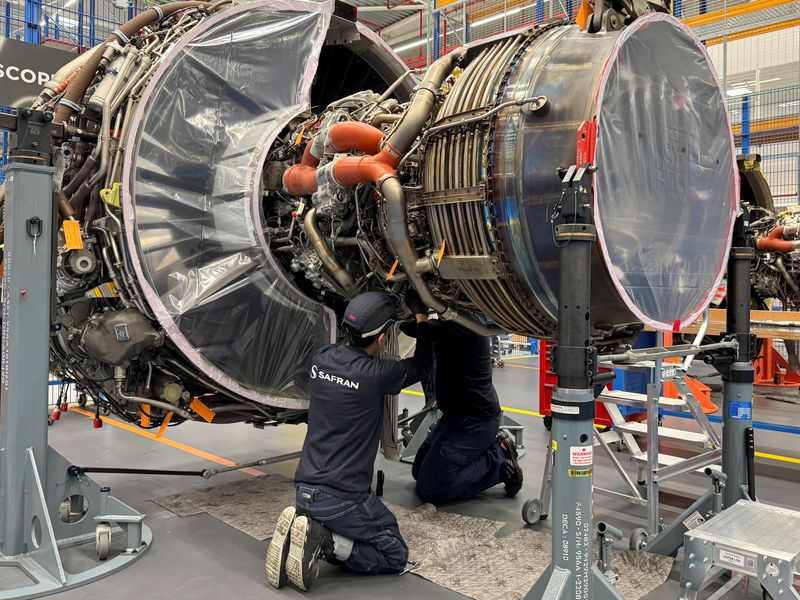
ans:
(370, 313)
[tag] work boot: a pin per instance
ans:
(311, 542)
(278, 549)
(513, 482)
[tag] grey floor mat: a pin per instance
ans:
(506, 568)
(455, 551)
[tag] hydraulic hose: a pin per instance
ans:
(776, 245)
(80, 83)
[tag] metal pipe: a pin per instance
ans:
(782, 268)
(399, 240)
(335, 270)
(698, 339)
(633, 355)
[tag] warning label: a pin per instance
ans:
(564, 410)
(580, 456)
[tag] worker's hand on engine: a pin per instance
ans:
(414, 303)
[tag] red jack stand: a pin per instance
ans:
(771, 369)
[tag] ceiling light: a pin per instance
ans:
(410, 45)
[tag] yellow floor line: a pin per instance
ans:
(530, 413)
(168, 442)
(520, 357)
(523, 367)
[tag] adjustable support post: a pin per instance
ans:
(571, 573)
(737, 380)
(35, 484)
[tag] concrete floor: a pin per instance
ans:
(201, 558)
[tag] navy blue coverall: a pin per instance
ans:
(346, 389)
(460, 457)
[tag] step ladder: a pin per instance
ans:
(703, 444)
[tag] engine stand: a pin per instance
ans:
(737, 409)
(43, 509)
(571, 573)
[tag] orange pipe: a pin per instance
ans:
(301, 179)
(355, 135)
(776, 232)
(775, 245)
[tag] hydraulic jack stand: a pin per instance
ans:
(737, 411)
(571, 573)
(43, 507)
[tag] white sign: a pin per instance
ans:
(581, 456)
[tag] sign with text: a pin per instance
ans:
(25, 68)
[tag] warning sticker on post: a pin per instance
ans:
(741, 411)
(580, 456)
(564, 410)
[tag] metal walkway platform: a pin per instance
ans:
(750, 539)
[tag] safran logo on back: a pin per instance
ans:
(319, 374)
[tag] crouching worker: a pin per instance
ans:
(465, 452)
(337, 517)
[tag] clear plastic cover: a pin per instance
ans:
(665, 227)
(192, 200)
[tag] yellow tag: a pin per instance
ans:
(299, 137)
(104, 290)
(441, 254)
(164, 425)
(201, 409)
(580, 472)
(555, 445)
(111, 196)
(72, 234)
(144, 421)
(393, 269)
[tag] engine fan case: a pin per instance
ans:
(192, 199)
(665, 189)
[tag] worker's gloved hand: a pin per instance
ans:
(414, 303)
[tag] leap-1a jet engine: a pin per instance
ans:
(238, 172)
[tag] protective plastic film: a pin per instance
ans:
(192, 200)
(666, 184)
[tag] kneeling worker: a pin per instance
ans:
(337, 516)
(465, 452)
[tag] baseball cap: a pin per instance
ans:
(369, 313)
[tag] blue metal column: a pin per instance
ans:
(46, 26)
(92, 22)
(7, 31)
(539, 11)
(33, 14)
(436, 32)
(677, 8)
(745, 124)
(131, 11)
(569, 9)
(81, 15)
(703, 7)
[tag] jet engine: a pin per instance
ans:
(238, 172)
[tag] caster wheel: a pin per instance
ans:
(638, 539)
(501, 364)
(532, 511)
(64, 512)
(102, 540)
(548, 422)
(82, 400)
